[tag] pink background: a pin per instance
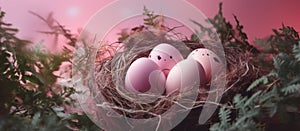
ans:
(258, 17)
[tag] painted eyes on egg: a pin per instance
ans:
(203, 54)
(159, 57)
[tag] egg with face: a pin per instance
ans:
(209, 60)
(144, 75)
(165, 56)
(185, 76)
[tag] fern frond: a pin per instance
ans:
(269, 95)
(262, 80)
(290, 89)
(296, 51)
(244, 122)
(277, 62)
(252, 99)
(151, 19)
(224, 115)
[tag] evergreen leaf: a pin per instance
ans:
(252, 99)
(262, 80)
(224, 115)
(291, 89)
(296, 51)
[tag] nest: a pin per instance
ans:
(111, 70)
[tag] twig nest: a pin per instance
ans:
(111, 72)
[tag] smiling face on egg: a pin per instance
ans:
(164, 61)
(165, 56)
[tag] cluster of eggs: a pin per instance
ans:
(165, 70)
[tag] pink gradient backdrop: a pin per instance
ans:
(258, 17)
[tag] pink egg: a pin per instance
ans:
(185, 75)
(165, 56)
(144, 75)
(208, 59)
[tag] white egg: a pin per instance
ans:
(209, 60)
(185, 76)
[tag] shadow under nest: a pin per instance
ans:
(110, 75)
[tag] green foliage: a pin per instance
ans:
(151, 17)
(230, 36)
(281, 41)
(151, 21)
(32, 74)
(48, 123)
(30, 97)
(279, 96)
(296, 51)
(246, 110)
(224, 115)
(273, 98)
